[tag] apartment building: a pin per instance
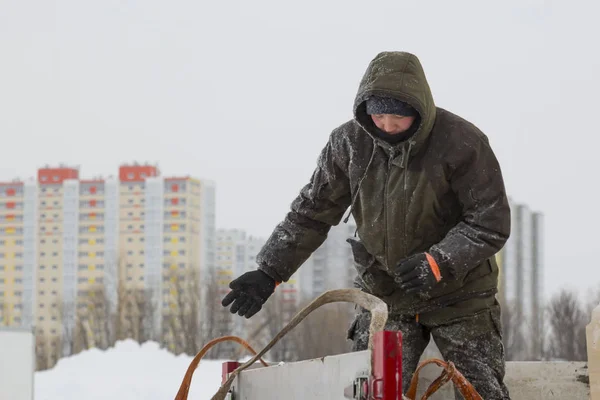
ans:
(69, 245)
(17, 252)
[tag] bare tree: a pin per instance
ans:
(513, 336)
(215, 320)
(94, 322)
(182, 322)
(323, 332)
(4, 312)
(135, 313)
(567, 321)
(42, 349)
(65, 313)
(275, 314)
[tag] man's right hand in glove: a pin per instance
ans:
(249, 292)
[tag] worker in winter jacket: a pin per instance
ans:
(428, 198)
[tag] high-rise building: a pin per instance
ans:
(331, 266)
(66, 241)
(521, 265)
(17, 252)
(236, 254)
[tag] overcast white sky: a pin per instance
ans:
(246, 93)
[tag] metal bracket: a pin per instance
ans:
(358, 390)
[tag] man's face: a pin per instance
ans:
(392, 124)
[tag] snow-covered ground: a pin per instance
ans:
(125, 372)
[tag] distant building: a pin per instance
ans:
(236, 254)
(521, 265)
(63, 238)
(331, 265)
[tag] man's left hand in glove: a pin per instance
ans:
(418, 273)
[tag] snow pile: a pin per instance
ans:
(127, 371)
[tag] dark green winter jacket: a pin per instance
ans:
(440, 191)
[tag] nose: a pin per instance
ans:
(388, 127)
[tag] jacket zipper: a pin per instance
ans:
(405, 156)
(385, 216)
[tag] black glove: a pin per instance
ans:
(417, 274)
(249, 292)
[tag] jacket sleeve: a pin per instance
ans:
(320, 205)
(485, 224)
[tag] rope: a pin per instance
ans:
(379, 315)
(449, 373)
(184, 389)
(376, 306)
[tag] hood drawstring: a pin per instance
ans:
(360, 182)
(406, 153)
(405, 157)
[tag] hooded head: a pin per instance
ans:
(394, 84)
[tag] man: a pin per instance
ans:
(429, 201)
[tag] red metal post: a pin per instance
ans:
(227, 368)
(386, 366)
